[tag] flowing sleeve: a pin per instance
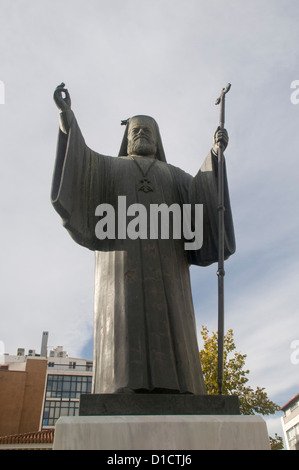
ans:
(203, 189)
(76, 184)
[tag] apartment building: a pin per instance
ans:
(37, 388)
(290, 423)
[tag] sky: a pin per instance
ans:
(169, 59)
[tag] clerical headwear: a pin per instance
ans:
(123, 151)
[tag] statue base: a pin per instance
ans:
(166, 433)
(124, 404)
(160, 422)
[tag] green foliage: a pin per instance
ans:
(276, 442)
(235, 380)
(234, 375)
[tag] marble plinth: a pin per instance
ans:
(218, 432)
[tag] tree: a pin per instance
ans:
(234, 377)
(276, 442)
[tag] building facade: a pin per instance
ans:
(21, 396)
(290, 423)
(67, 379)
(36, 390)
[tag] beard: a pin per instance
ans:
(141, 146)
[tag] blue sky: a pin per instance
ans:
(169, 59)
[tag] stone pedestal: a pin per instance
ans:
(181, 432)
(122, 404)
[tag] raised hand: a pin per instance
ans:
(63, 103)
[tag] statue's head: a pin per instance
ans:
(142, 138)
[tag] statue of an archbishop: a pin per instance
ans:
(145, 337)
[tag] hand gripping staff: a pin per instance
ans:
(221, 272)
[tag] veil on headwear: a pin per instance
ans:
(160, 155)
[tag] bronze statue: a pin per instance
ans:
(144, 325)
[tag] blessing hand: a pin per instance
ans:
(63, 103)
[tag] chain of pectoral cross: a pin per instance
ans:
(145, 184)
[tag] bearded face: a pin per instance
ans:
(142, 139)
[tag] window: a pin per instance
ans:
(294, 406)
(292, 435)
(67, 386)
(54, 409)
(62, 396)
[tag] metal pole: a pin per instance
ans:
(221, 272)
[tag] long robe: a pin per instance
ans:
(144, 324)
